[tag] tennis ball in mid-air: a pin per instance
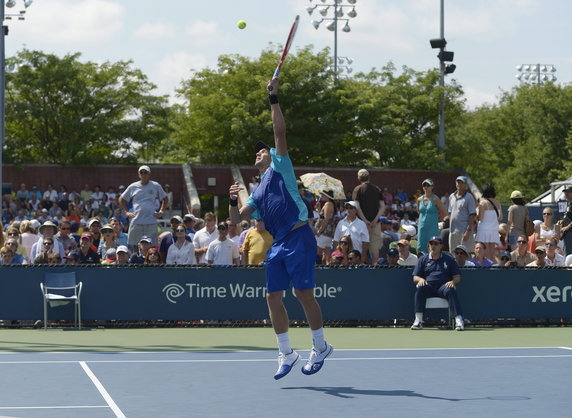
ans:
(241, 24)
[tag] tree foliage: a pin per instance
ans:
(60, 110)
(377, 119)
(523, 143)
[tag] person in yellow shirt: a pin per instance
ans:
(256, 243)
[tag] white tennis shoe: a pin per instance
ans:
(459, 325)
(316, 360)
(285, 364)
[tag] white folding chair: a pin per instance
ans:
(440, 303)
(60, 289)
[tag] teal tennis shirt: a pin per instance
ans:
(276, 200)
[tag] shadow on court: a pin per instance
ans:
(351, 392)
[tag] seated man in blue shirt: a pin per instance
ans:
(437, 275)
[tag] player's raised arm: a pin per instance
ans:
(236, 214)
(277, 119)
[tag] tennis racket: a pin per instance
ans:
(286, 49)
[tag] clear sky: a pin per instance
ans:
(166, 39)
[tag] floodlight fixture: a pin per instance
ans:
(446, 56)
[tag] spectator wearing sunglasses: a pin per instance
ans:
(65, 238)
(552, 257)
(12, 246)
(521, 255)
(548, 229)
(47, 249)
(462, 256)
(222, 251)
(540, 260)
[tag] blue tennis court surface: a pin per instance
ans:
(489, 382)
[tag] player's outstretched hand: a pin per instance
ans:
(274, 83)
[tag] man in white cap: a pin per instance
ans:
(143, 218)
(354, 227)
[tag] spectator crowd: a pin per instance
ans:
(372, 226)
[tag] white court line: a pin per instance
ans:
(102, 390)
(55, 407)
(274, 360)
(271, 350)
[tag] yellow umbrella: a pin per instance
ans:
(316, 182)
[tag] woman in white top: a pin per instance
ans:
(548, 229)
(181, 251)
(489, 214)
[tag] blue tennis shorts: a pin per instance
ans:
(292, 259)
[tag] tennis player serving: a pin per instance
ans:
(292, 256)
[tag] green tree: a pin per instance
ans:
(63, 111)
(376, 119)
(523, 143)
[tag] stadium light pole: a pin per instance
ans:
(6, 16)
(444, 68)
(338, 8)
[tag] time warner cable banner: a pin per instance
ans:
(171, 293)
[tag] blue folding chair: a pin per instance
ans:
(61, 288)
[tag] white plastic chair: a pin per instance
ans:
(440, 303)
(62, 288)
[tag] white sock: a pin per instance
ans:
(419, 316)
(284, 343)
(318, 339)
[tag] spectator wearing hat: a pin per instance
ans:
(72, 258)
(110, 256)
(354, 227)
(47, 230)
(143, 194)
(480, 259)
(462, 256)
(336, 258)
(371, 207)
(166, 239)
(517, 213)
(431, 210)
(325, 227)
(521, 256)
(553, 259)
(204, 237)
(540, 261)
(222, 251)
(462, 215)
(504, 260)
(406, 258)
(566, 222)
(87, 255)
(138, 257)
(181, 250)
(392, 259)
(189, 220)
(437, 275)
(108, 241)
(94, 225)
(257, 243)
(123, 254)
(303, 194)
